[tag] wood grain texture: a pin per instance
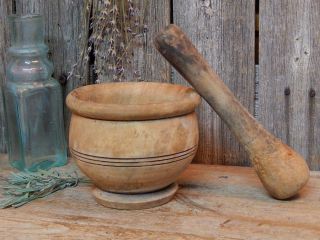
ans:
(63, 27)
(147, 61)
(5, 10)
(289, 74)
(223, 31)
(213, 202)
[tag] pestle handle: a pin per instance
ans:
(282, 171)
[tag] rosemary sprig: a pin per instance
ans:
(23, 187)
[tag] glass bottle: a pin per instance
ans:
(33, 99)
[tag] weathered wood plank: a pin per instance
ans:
(289, 74)
(224, 32)
(5, 10)
(146, 61)
(213, 202)
(314, 90)
(63, 27)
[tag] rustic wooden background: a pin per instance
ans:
(267, 52)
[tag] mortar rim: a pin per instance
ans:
(88, 106)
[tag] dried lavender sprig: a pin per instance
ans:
(23, 187)
(117, 29)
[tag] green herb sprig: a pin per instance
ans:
(23, 187)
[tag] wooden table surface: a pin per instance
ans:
(213, 202)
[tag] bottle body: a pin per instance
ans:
(35, 129)
(33, 105)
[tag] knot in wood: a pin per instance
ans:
(312, 93)
(287, 91)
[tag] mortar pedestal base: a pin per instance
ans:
(135, 201)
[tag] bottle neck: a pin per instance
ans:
(28, 52)
(27, 35)
(35, 51)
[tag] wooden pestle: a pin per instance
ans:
(282, 171)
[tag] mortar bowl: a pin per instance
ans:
(133, 139)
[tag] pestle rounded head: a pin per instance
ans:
(282, 171)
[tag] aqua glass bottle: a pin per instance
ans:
(33, 99)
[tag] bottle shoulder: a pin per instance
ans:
(20, 87)
(34, 68)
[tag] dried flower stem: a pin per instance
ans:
(117, 28)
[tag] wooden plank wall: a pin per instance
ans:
(289, 74)
(224, 31)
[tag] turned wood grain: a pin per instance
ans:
(133, 138)
(289, 74)
(131, 101)
(223, 31)
(213, 202)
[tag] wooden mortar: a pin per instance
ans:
(282, 171)
(133, 140)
